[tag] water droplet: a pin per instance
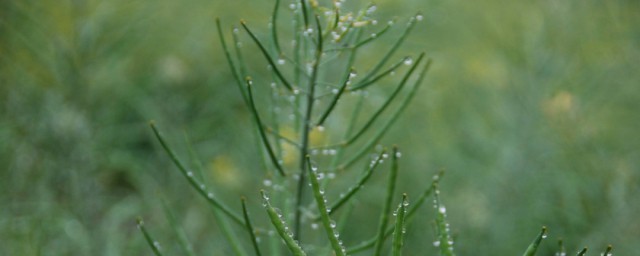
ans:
(331, 175)
(408, 61)
(281, 61)
(210, 195)
(398, 154)
(371, 9)
(436, 243)
(190, 174)
(314, 225)
(385, 155)
(236, 30)
(374, 22)
(320, 128)
(393, 73)
(321, 192)
(292, 6)
(442, 209)
(374, 35)
(156, 244)
(267, 183)
(419, 17)
(332, 223)
(335, 91)
(320, 175)
(405, 203)
(544, 236)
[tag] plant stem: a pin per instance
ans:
(306, 128)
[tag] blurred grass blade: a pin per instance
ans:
(261, 129)
(232, 66)
(274, 28)
(391, 186)
(192, 181)
(607, 252)
(582, 252)
(533, 247)
(399, 230)
(328, 224)
(381, 132)
(185, 245)
(278, 222)
(386, 104)
(250, 229)
(236, 46)
(273, 65)
(359, 184)
(155, 246)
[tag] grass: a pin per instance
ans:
(531, 114)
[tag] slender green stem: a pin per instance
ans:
(386, 104)
(412, 210)
(335, 99)
(182, 237)
(191, 179)
(391, 186)
(272, 63)
(306, 128)
(582, 252)
(242, 68)
(281, 137)
(155, 246)
(250, 229)
(561, 250)
(365, 83)
(445, 241)
(375, 35)
(274, 28)
(261, 129)
(280, 225)
(328, 224)
(399, 230)
(533, 247)
(359, 184)
(391, 51)
(607, 252)
(232, 65)
(381, 132)
(305, 15)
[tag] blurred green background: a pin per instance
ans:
(532, 107)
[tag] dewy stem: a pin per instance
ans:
(306, 128)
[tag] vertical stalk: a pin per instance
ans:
(306, 128)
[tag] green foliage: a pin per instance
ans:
(530, 105)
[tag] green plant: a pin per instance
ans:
(325, 42)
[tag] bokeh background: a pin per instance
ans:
(532, 107)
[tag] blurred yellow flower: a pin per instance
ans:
(224, 171)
